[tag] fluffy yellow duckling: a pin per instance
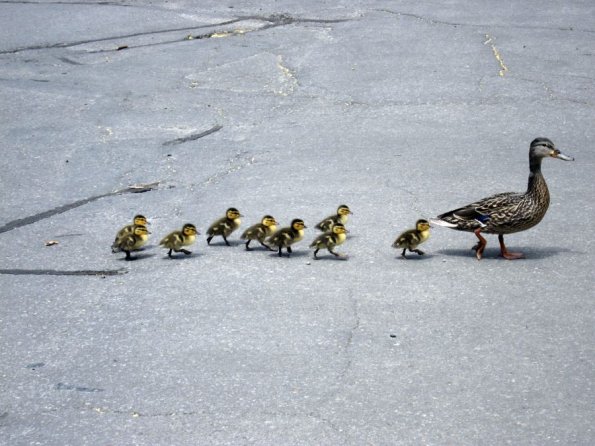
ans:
(225, 226)
(138, 220)
(260, 231)
(175, 240)
(411, 239)
(286, 237)
(132, 242)
(341, 216)
(330, 239)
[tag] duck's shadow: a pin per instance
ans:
(232, 243)
(529, 253)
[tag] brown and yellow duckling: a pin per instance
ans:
(341, 216)
(260, 231)
(176, 240)
(225, 226)
(286, 237)
(411, 239)
(138, 220)
(330, 239)
(507, 212)
(132, 242)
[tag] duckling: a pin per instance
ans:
(286, 237)
(411, 239)
(341, 216)
(132, 242)
(225, 226)
(330, 239)
(260, 231)
(175, 240)
(138, 220)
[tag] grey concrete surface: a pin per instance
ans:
(401, 110)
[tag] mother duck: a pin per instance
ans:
(507, 212)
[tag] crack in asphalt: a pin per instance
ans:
(272, 21)
(67, 207)
(482, 25)
(55, 272)
(193, 136)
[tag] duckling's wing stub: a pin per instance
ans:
(327, 223)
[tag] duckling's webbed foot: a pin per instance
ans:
(505, 253)
(169, 253)
(280, 252)
(248, 245)
(418, 251)
(185, 251)
(289, 251)
(266, 246)
(209, 239)
(316, 252)
(403, 253)
(225, 240)
(128, 256)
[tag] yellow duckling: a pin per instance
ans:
(330, 239)
(175, 240)
(138, 220)
(225, 226)
(341, 216)
(260, 231)
(286, 237)
(411, 239)
(132, 242)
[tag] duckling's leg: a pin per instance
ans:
(128, 256)
(280, 251)
(481, 244)
(266, 246)
(289, 251)
(403, 253)
(316, 252)
(247, 245)
(225, 239)
(169, 253)
(504, 252)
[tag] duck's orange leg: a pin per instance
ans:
(504, 252)
(481, 244)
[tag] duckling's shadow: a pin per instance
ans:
(232, 244)
(332, 258)
(494, 253)
(415, 257)
(138, 256)
(182, 256)
(275, 254)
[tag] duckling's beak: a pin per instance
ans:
(561, 156)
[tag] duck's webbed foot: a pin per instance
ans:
(505, 253)
(481, 244)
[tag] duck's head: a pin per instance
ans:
(543, 148)
(344, 210)
(140, 220)
(422, 225)
(298, 224)
(189, 229)
(233, 213)
(269, 220)
(141, 231)
(338, 228)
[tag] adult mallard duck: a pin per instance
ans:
(507, 212)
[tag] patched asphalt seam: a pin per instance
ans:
(67, 207)
(193, 136)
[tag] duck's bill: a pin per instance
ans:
(562, 156)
